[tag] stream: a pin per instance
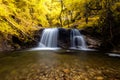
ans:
(59, 65)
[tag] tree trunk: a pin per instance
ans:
(60, 17)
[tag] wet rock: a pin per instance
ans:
(92, 43)
(64, 38)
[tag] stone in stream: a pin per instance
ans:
(66, 71)
(99, 78)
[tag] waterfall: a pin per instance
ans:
(49, 38)
(77, 40)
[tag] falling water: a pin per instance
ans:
(77, 40)
(49, 38)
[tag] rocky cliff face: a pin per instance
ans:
(5, 43)
(92, 38)
(11, 42)
(95, 39)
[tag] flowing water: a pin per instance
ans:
(59, 65)
(77, 40)
(49, 38)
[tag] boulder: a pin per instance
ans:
(92, 42)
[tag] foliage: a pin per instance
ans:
(22, 17)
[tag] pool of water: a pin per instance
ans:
(59, 65)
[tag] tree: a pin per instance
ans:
(107, 22)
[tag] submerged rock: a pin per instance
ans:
(66, 71)
(99, 78)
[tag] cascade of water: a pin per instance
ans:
(49, 38)
(77, 40)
